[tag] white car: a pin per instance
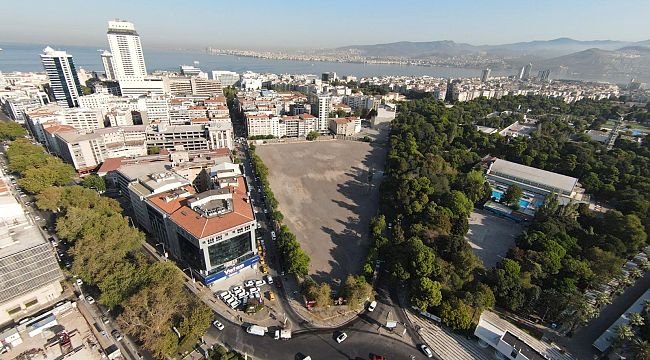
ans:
(90, 299)
(228, 298)
(249, 283)
(253, 290)
(79, 282)
(243, 295)
(273, 235)
(238, 290)
(233, 304)
(269, 279)
(260, 283)
(341, 338)
(372, 306)
(218, 325)
(425, 349)
(223, 294)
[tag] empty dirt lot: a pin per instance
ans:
(491, 236)
(327, 198)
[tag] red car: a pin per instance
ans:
(378, 357)
(278, 282)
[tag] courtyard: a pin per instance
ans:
(328, 191)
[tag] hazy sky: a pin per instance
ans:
(323, 23)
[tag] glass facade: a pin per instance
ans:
(190, 253)
(229, 249)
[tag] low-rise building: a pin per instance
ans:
(30, 277)
(347, 126)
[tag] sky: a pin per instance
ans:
(279, 24)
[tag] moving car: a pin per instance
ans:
(218, 324)
(426, 351)
(372, 306)
(341, 338)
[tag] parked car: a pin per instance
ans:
(105, 319)
(79, 282)
(116, 334)
(269, 279)
(90, 299)
(249, 283)
(341, 338)
(260, 283)
(218, 324)
(372, 306)
(426, 351)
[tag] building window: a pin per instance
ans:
(31, 303)
(229, 249)
(14, 311)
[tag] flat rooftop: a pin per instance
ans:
(531, 175)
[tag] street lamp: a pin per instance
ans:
(192, 275)
(163, 249)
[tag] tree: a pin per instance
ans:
(50, 198)
(425, 293)
(11, 130)
(323, 295)
(603, 299)
(512, 194)
(636, 319)
(298, 262)
(94, 182)
(312, 135)
(152, 150)
(52, 172)
(456, 314)
(641, 349)
(624, 333)
(356, 290)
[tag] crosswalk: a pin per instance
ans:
(448, 345)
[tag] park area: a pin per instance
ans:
(491, 236)
(327, 191)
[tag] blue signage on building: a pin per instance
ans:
(232, 270)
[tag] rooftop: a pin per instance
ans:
(225, 209)
(533, 175)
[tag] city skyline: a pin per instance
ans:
(482, 24)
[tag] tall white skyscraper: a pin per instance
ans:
(324, 108)
(128, 59)
(526, 71)
(64, 81)
(109, 69)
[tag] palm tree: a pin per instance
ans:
(636, 273)
(603, 299)
(624, 333)
(641, 349)
(636, 319)
(646, 306)
(625, 280)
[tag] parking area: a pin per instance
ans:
(327, 191)
(491, 236)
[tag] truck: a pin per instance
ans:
(282, 334)
(257, 330)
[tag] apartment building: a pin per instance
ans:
(200, 136)
(52, 114)
(347, 126)
(86, 150)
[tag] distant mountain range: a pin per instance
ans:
(608, 60)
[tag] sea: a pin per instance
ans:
(25, 57)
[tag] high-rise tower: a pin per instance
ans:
(64, 81)
(128, 59)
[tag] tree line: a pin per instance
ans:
(295, 259)
(148, 299)
(431, 187)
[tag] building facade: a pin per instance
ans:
(62, 74)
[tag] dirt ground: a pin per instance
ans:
(491, 236)
(327, 195)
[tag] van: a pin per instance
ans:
(257, 330)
